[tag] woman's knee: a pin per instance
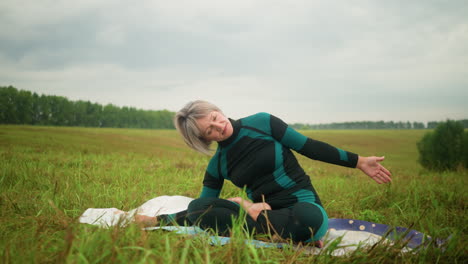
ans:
(201, 204)
(207, 206)
(312, 217)
(198, 207)
(308, 214)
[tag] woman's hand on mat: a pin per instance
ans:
(253, 209)
(372, 167)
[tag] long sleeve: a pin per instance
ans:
(308, 147)
(212, 182)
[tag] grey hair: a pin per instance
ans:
(185, 123)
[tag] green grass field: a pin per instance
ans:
(50, 175)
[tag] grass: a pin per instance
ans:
(50, 175)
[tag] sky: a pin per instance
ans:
(304, 61)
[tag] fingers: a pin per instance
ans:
(382, 177)
(385, 178)
(380, 158)
(387, 172)
(377, 179)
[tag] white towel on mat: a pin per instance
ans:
(107, 217)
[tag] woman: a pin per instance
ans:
(255, 153)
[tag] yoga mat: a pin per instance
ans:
(353, 233)
(361, 231)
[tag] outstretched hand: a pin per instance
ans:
(372, 167)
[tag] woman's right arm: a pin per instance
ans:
(211, 186)
(213, 182)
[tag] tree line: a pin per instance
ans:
(24, 107)
(376, 125)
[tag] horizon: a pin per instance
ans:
(302, 123)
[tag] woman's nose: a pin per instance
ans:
(218, 126)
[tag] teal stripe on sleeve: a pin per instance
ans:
(209, 192)
(293, 139)
(343, 155)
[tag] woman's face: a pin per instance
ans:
(215, 127)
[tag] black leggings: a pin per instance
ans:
(303, 221)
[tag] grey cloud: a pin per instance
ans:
(304, 56)
(75, 41)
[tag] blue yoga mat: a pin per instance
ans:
(412, 238)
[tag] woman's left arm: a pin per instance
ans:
(325, 152)
(309, 147)
(371, 167)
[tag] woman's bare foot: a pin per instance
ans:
(253, 209)
(146, 221)
(318, 243)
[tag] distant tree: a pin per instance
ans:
(24, 107)
(465, 149)
(443, 149)
(4, 106)
(79, 113)
(44, 110)
(418, 125)
(59, 111)
(94, 116)
(110, 116)
(36, 110)
(9, 109)
(432, 124)
(464, 123)
(408, 125)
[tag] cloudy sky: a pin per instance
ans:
(304, 61)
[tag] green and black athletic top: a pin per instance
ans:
(258, 157)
